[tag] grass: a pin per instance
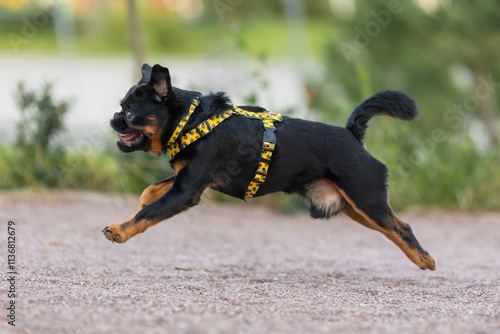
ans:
(105, 32)
(103, 171)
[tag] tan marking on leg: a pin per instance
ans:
(126, 230)
(151, 194)
(120, 233)
(428, 261)
(423, 260)
(357, 215)
(351, 213)
(178, 165)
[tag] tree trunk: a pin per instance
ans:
(135, 36)
(488, 108)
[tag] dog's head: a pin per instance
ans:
(145, 112)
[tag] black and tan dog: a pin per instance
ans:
(246, 151)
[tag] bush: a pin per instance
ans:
(453, 173)
(41, 121)
(39, 159)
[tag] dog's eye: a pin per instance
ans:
(129, 115)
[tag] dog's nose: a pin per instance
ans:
(116, 121)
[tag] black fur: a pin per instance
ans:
(391, 103)
(227, 158)
(327, 165)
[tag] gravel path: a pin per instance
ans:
(242, 269)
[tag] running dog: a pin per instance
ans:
(246, 151)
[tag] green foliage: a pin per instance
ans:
(417, 53)
(433, 161)
(451, 172)
(41, 119)
(39, 159)
(15, 20)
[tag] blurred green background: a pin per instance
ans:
(325, 56)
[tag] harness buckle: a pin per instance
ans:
(275, 116)
(204, 128)
(269, 136)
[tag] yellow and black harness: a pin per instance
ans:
(176, 144)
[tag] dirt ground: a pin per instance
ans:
(242, 269)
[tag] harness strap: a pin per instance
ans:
(182, 123)
(175, 145)
(198, 132)
(268, 146)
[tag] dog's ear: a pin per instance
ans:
(146, 74)
(160, 81)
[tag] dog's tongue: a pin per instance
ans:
(128, 139)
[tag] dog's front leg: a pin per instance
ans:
(159, 202)
(152, 193)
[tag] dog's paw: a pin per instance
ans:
(432, 262)
(427, 262)
(115, 233)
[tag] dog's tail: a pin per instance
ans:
(391, 103)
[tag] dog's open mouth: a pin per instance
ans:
(130, 138)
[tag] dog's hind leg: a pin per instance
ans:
(381, 218)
